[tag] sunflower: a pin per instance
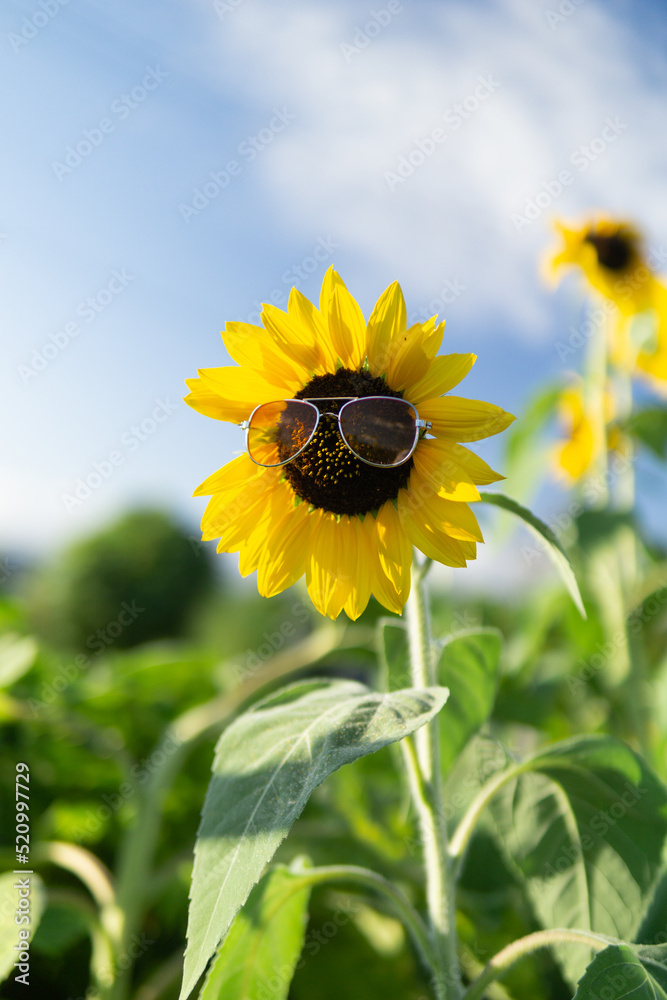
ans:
(610, 254)
(349, 526)
(577, 454)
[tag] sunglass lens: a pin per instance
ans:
(380, 430)
(278, 431)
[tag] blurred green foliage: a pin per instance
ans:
(137, 580)
(89, 720)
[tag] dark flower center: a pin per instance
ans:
(326, 473)
(615, 252)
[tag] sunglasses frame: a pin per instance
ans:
(421, 427)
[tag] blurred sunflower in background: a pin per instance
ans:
(610, 254)
(355, 452)
(577, 454)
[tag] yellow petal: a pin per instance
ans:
(211, 404)
(240, 389)
(330, 567)
(277, 501)
(435, 464)
(464, 419)
(253, 545)
(471, 466)
(232, 476)
(430, 527)
(456, 519)
(295, 338)
(347, 327)
(391, 552)
(361, 588)
(653, 364)
(304, 313)
(386, 328)
(255, 348)
(231, 514)
(285, 556)
(444, 373)
(412, 356)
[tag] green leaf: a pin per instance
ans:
(9, 929)
(259, 955)
(468, 665)
(623, 970)
(548, 542)
(585, 826)
(650, 427)
(394, 649)
(267, 763)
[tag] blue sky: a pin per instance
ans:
(119, 276)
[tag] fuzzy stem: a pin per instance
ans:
(525, 946)
(426, 785)
(373, 880)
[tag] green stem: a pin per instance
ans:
(106, 933)
(372, 880)
(467, 824)
(426, 784)
(501, 962)
(101, 952)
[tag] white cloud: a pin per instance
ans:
(359, 113)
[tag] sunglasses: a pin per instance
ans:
(380, 430)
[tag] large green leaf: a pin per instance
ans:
(267, 763)
(623, 970)
(468, 665)
(259, 955)
(585, 825)
(549, 543)
(10, 889)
